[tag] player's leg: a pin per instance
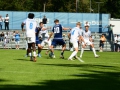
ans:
(82, 49)
(62, 42)
(34, 52)
(54, 43)
(75, 46)
(93, 49)
(30, 51)
(49, 44)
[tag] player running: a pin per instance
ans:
(87, 39)
(57, 40)
(44, 37)
(75, 35)
(30, 34)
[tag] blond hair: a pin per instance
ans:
(78, 23)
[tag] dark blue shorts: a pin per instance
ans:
(38, 42)
(56, 42)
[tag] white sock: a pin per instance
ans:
(34, 53)
(73, 54)
(82, 50)
(30, 54)
(94, 51)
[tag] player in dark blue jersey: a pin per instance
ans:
(57, 40)
(38, 40)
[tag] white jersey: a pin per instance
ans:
(44, 33)
(75, 33)
(86, 35)
(31, 25)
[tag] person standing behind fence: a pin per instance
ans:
(44, 20)
(1, 21)
(115, 43)
(6, 21)
(17, 40)
(102, 41)
(118, 43)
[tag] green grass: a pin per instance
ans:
(17, 72)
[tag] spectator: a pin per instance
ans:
(2, 36)
(110, 31)
(17, 40)
(115, 43)
(1, 21)
(4, 43)
(118, 43)
(44, 20)
(102, 41)
(6, 21)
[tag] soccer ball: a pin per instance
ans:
(51, 56)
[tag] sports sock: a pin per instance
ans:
(30, 54)
(94, 51)
(34, 53)
(82, 50)
(73, 54)
(62, 52)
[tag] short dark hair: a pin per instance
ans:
(56, 20)
(30, 15)
(41, 23)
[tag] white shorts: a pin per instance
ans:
(31, 39)
(87, 42)
(17, 42)
(75, 44)
(46, 42)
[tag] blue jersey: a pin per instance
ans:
(57, 30)
(37, 30)
(17, 37)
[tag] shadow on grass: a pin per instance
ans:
(23, 59)
(94, 80)
(101, 81)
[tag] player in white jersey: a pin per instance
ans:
(30, 34)
(75, 36)
(87, 39)
(44, 36)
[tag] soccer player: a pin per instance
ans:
(57, 40)
(44, 38)
(87, 39)
(30, 34)
(75, 35)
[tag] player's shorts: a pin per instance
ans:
(87, 42)
(74, 43)
(38, 42)
(46, 42)
(56, 42)
(31, 39)
(17, 42)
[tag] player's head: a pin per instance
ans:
(86, 27)
(41, 24)
(56, 21)
(30, 15)
(78, 24)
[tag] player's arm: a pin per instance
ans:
(69, 35)
(66, 28)
(50, 36)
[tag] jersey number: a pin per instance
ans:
(56, 30)
(72, 33)
(31, 26)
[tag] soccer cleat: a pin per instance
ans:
(34, 59)
(53, 56)
(61, 56)
(39, 55)
(96, 56)
(80, 56)
(71, 59)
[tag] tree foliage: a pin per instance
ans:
(83, 6)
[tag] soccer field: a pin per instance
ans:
(17, 72)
